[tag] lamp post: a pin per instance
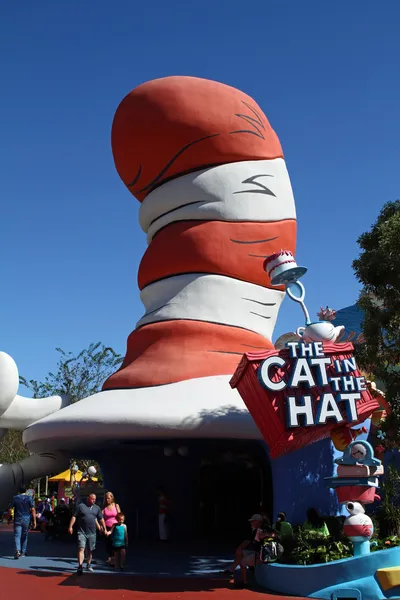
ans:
(73, 471)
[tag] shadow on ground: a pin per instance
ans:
(133, 583)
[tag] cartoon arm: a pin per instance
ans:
(18, 412)
(12, 476)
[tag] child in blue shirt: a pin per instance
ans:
(119, 533)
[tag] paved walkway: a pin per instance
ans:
(16, 584)
(152, 560)
(165, 572)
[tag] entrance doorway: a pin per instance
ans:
(214, 486)
(234, 482)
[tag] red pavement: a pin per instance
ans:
(35, 585)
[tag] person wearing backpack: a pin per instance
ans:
(271, 547)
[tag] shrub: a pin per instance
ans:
(312, 548)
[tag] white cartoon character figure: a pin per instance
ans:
(17, 412)
(358, 527)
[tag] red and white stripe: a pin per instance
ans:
(206, 294)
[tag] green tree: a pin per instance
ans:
(12, 448)
(388, 513)
(77, 376)
(378, 270)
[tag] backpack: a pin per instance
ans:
(270, 551)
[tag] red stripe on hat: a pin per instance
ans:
(171, 351)
(223, 248)
(170, 126)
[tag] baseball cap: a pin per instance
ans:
(256, 517)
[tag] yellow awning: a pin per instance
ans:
(66, 476)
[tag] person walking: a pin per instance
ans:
(119, 537)
(163, 515)
(24, 510)
(89, 519)
(110, 511)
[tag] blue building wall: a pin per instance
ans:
(351, 317)
(299, 482)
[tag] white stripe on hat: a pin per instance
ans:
(212, 298)
(257, 190)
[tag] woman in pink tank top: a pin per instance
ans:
(110, 511)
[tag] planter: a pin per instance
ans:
(355, 574)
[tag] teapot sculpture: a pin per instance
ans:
(320, 331)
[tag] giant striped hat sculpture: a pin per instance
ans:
(216, 201)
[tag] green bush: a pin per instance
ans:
(385, 544)
(310, 548)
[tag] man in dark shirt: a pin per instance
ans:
(59, 522)
(89, 518)
(24, 509)
(62, 514)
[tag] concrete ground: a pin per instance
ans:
(156, 559)
(162, 571)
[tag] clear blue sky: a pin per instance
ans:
(325, 73)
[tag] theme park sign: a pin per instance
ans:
(300, 394)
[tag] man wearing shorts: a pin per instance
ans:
(89, 519)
